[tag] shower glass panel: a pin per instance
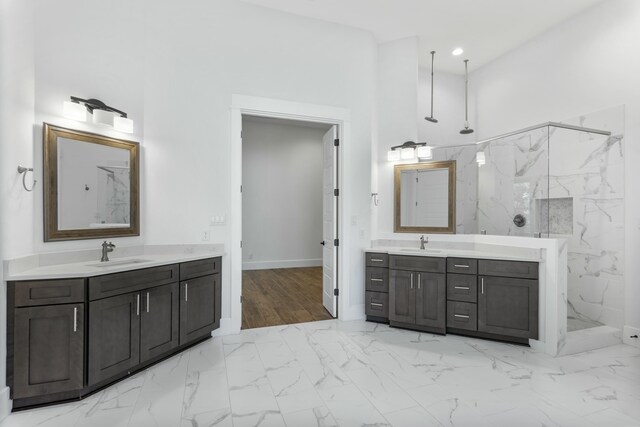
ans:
(513, 185)
(586, 207)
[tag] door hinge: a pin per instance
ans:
(241, 188)
(336, 242)
(336, 192)
(336, 142)
(240, 244)
(241, 299)
(336, 292)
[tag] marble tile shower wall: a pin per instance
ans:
(590, 169)
(566, 184)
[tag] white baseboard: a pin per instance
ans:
(291, 263)
(5, 403)
(225, 328)
(355, 312)
(627, 332)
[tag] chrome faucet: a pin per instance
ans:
(423, 241)
(106, 248)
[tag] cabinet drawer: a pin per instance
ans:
(462, 265)
(48, 292)
(462, 315)
(417, 263)
(130, 281)
(519, 269)
(377, 304)
(373, 259)
(462, 287)
(199, 268)
(377, 279)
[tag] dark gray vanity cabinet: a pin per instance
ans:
(200, 294)
(67, 338)
(45, 337)
(114, 336)
(508, 300)
(377, 287)
(159, 320)
(417, 293)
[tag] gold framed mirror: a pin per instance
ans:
(425, 197)
(91, 185)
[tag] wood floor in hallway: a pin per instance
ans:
(282, 296)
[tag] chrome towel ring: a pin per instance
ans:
(23, 171)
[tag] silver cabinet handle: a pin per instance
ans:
(75, 319)
(482, 285)
(411, 280)
(186, 292)
(460, 266)
(376, 260)
(376, 304)
(464, 316)
(418, 280)
(466, 288)
(376, 280)
(147, 302)
(137, 304)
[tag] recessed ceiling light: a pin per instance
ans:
(457, 51)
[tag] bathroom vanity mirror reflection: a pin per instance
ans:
(90, 185)
(425, 197)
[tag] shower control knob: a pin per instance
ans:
(519, 220)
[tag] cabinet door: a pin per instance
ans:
(431, 300)
(114, 336)
(508, 306)
(49, 342)
(402, 305)
(159, 321)
(197, 307)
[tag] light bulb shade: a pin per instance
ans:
(480, 158)
(122, 124)
(393, 155)
(407, 153)
(75, 111)
(103, 117)
(424, 152)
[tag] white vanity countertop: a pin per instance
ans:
(40, 267)
(506, 253)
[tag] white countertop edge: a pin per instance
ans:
(84, 269)
(450, 253)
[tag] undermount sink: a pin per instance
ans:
(428, 251)
(118, 262)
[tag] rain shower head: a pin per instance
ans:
(430, 118)
(466, 129)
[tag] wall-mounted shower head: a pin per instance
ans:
(467, 130)
(430, 118)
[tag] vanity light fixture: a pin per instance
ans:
(408, 151)
(77, 108)
(480, 158)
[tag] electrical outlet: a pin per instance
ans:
(206, 236)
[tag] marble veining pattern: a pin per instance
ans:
(358, 373)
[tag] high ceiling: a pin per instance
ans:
(485, 29)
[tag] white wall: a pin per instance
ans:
(173, 66)
(282, 170)
(586, 64)
(16, 148)
(403, 102)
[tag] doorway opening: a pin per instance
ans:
(290, 243)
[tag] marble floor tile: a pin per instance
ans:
(414, 416)
(357, 373)
(315, 417)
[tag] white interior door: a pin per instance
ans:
(329, 222)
